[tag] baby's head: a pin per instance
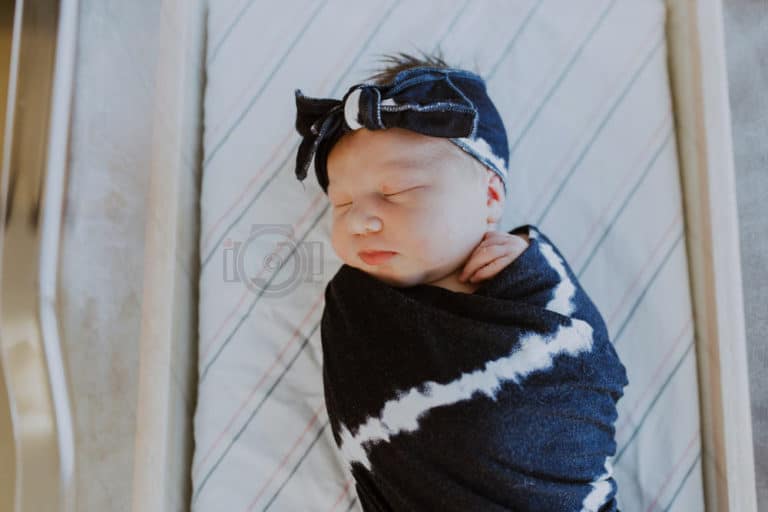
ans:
(428, 198)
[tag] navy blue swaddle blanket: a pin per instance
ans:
(499, 400)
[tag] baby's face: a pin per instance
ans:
(418, 196)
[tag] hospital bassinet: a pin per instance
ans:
(618, 119)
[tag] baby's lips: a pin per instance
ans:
(376, 257)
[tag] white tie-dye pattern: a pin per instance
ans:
(562, 301)
(536, 352)
(481, 148)
(601, 487)
(352, 109)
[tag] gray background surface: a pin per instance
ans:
(746, 41)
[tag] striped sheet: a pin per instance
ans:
(583, 89)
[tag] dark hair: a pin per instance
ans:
(401, 61)
(394, 63)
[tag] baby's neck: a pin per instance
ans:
(451, 282)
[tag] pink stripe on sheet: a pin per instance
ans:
(302, 24)
(242, 194)
(344, 491)
(516, 122)
(634, 284)
(627, 419)
(287, 456)
(290, 135)
(206, 347)
(657, 248)
(295, 336)
(668, 476)
(615, 86)
(611, 204)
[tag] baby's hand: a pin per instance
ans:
(492, 254)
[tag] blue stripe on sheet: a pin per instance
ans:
(489, 76)
(451, 25)
(335, 90)
(559, 80)
(242, 320)
(212, 56)
(264, 186)
(640, 297)
(625, 202)
(352, 504)
(254, 412)
(597, 132)
(296, 466)
(656, 398)
(251, 103)
(684, 480)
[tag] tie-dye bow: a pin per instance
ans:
(438, 102)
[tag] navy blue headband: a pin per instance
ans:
(439, 102)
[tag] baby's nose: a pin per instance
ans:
(364, 224)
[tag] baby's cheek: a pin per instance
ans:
(433, 244)
(420, 247)
(337, 243)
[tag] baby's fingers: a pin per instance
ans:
(483, 255)
(492, 268)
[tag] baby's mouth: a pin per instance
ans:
(376, 257)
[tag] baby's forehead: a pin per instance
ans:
(391, 148)
(399, 163)
(399, 156)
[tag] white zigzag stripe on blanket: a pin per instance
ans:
(536, 352)
(600, 489)
(562, 301)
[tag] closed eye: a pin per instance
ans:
(403, 191)
(385, 195)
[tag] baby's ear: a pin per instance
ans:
(496, 198)
(495, 187)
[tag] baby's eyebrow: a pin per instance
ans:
(398, 179)
(415, 171)
(402, 161)
(392, 176)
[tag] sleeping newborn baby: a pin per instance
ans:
(464, 368)
(409, 209)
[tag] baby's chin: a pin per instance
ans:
(395, 278)
(390, 275)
